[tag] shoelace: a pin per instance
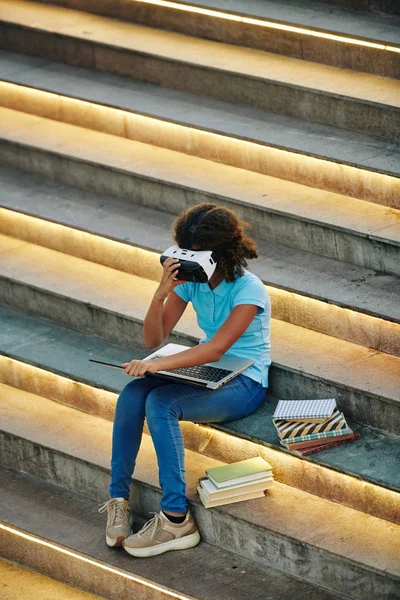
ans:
(119, 515)
(152, 527)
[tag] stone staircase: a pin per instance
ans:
(114, 117)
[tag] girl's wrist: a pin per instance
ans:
(159, 297)
(158, 363)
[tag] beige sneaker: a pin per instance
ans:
(160, 535)
(119, 521)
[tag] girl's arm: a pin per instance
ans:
(235, 325)
(165, 309)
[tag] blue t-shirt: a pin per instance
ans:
(213, 307)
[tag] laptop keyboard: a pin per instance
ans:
(201, 372)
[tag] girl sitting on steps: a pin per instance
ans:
(233, 310)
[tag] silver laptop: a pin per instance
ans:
(210, 375)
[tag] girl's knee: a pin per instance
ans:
(131, 399)
(158, 405)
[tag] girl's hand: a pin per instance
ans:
(168, 283)
(137, 368)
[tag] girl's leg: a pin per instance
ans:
(166, 406)
(127, 433)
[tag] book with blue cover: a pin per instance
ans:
(293, 432)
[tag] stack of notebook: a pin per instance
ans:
(236, 482)
(308, 426)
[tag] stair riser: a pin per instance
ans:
(171, 198)
(370, 409)
(267, 160)
(357, 405)
(296, 44)
(206, 440)
(70, 569)
(287, 306)
(340, 111)
(79, 316)
(226, 531)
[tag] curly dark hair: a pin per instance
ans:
(211, 227)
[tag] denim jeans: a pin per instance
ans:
(163, 405)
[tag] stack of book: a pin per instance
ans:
(308, 426)
(243, 480)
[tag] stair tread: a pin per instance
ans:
(215, 55)
(160, 164)
(65, 352)
(331, 527)
(301, 272)
(18, 582)
(200, 572)
(322, 356)
(312, 14)
(356, 149)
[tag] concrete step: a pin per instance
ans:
(65, 552)
(211, 129)
(383, 6)
(280, 211)
(112, 304)
(289, 530)
(18, 582)
(295, 88)
(303, 29)
(52, 362)
(324, 295)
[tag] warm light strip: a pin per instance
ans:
(325, 317)
(34, 109)
(268, 24)
(92, 562)
(289, 469)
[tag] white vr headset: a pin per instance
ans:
(196, 265)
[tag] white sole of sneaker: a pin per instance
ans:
(183, 543)
(114, 543)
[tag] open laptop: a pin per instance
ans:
(210, 375)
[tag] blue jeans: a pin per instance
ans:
(163, 405)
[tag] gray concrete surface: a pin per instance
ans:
(112, 304)
(285, 204)
(204, 573)
(185, 166)
(340, 99)
(336, 546)
(27, 294)
(373, 115)
(384, 6)
(328, 280)
(309, 14)
(18, 582)
(373, 458)
(299, 272)
(303, 13)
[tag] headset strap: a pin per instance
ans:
(189, 236)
